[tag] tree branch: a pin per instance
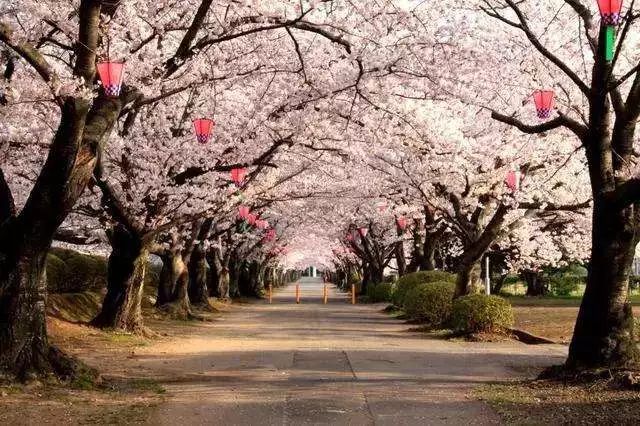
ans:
(562, 120)
(544, 51)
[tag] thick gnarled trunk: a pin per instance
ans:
(603, 335)
(174, 284)
(122, 305)
(198, 288)
(535, 283)
(428, 260)
(23, 336)
(469, 278)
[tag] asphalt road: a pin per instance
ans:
(309, 363)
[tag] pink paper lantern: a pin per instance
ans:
(238, 175)
(544, 100)
(402, 222)
(513, 180)
(243, 212)
(363, 231)
(204, 128)
(111, 74)
(251, 219)
(610, 12)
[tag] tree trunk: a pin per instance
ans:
(417, 252)
(428, 260)
(377, 274)
(23, 334)
(604, 335)
(224, 284)
(122, 306)
(166, 282)
(174, 280)
(535, 283)
(366, 278)
(198, 289)
(469, 278)
(234, 278)
(255, 282)
(24, 241)
(244, 279)
(497, 283)
(400, 259)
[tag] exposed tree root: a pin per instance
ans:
(205, 306)
(614, 378)
(178, 311)
(53, 365)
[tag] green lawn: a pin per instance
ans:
(555, 300)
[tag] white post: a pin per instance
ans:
(487, 279)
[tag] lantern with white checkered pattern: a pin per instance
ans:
(204, 128)
(544, 100)
(111, 74)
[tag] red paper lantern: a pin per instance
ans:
(544, 100)
(363, 232)
(111, 74)
(610, 12)
(349, 237)
(238, 175)
(251, 219)
(402, 222)
(243, 212)
(513, 180)
(204, 128)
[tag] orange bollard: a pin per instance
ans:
(270, 294)
(297, 293)
(353, 294)
(326, 294)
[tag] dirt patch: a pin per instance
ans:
(552, 402)
(56, 404)
(553, 322)
(127, 394)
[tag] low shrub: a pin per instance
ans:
(565, 285)
(479, 313)
(409, 281)
(430, 302)
(390, 279)
(380, 292)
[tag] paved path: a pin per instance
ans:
(288, 364)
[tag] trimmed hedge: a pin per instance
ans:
(409, 281)
(479, 313)
(430, 302)
(380, 292)
(70, 272)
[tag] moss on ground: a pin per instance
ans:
(552, 402)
